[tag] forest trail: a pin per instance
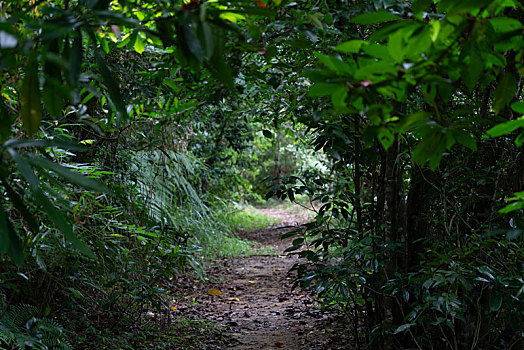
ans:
(258, 308)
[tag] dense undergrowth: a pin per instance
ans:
(73, 302)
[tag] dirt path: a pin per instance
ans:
(257, 308)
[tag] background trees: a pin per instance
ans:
(174, 107)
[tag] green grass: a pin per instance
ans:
(247, 218)
(215, 234)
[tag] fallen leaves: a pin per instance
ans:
(214, 292)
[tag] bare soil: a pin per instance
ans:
(257, 308)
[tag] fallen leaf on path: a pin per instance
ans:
(173, 307)
(234, 299)
(214, 292)
(252, 283)
(278, 269)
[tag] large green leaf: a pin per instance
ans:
(418, 6)
(9, 240)
(506, 127)
(396, 46)
(39, 143)
(75, 60)
(324, 89)
(5, 122)
(113, 87)
(504, 92)
(56, 216)
(518, 107)
(220, 70)
(338, 97)
(505, 24)
(31, 107)
(464, 138)
(335, 64)
(471, 72)
(192, 42)
(454, 6)
(375, 18)
(495, 300)
(352, 46)
(67, 174)
(52, 96)
(18, 203)
(140, 44)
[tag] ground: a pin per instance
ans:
(253, 304)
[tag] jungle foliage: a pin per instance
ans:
(128, 128)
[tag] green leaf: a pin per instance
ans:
(418, 6)
(471, 72)
(403, 328)
(18, 203)
(338, 97)
(454, 6)
(209, 39)
(31, 109)
(323, 89)
(140, 45)
(39, 143)
(52, 96)
(464, 138)
(75, 292)
(385, 137)
(56, 216)
(419, 43)
(504, 92)
(512, 207)
(193, 43)
(518, 107)
(352, 46)
(113, 88)
(505, 24)
(335, 64)
(5, 121)
(271, 51)
(67, 174)
(75, 60)
(220, 70)
(412, 120)
(375, 18)
(104, 45)
(431, 148)
(9, 240)
(495, 300)
(291, 195)
(519, 141)
(506, 127)
(378, 51)
(396, 45)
